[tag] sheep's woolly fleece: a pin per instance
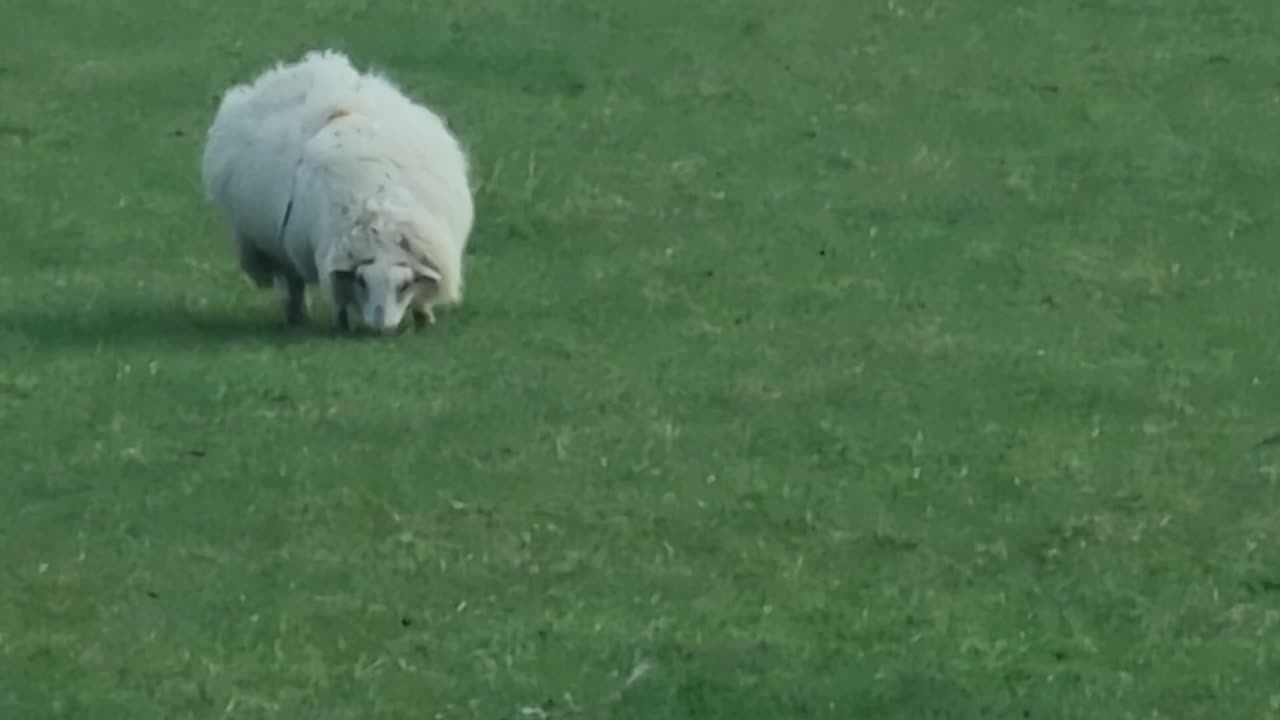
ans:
(316, 165)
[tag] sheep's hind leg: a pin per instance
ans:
(261, 269)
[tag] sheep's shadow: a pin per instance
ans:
(151, 325)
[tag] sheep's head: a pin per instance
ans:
(384, 285)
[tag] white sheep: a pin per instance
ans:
(332, 176)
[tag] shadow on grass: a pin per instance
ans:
(152, 325)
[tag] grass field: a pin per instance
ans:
(890, 360)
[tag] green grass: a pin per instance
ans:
(824, 360)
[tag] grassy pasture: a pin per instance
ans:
(891, 360)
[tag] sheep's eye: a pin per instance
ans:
(360, 282)
(405, 287)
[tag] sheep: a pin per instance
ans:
(332, 177)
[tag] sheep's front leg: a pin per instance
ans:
(294, 299)
(423, 316)
(339, 289)
(341, 320)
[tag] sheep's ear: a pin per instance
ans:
(424, 272)
(426, 276)
(343, 274)
(344, 267)
(343, 282)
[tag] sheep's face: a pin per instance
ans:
(385, 288)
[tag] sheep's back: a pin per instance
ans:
(257, 137)
(429, 159)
